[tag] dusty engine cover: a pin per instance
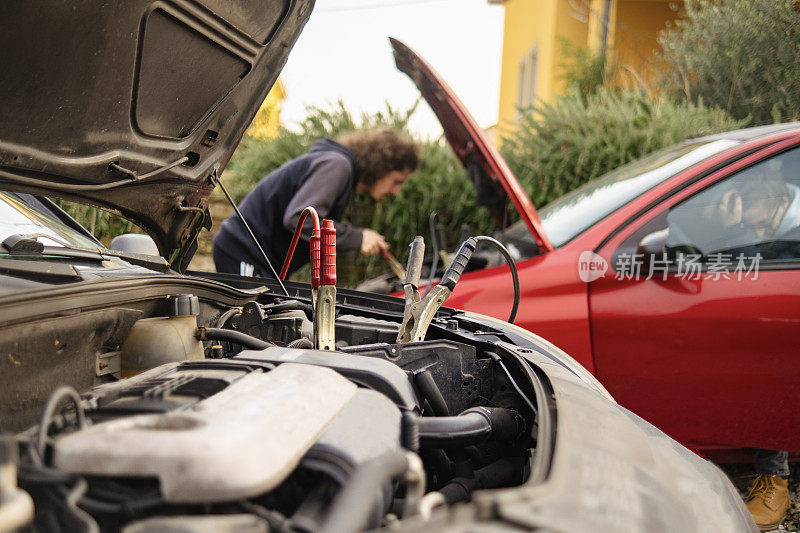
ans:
(240, 442)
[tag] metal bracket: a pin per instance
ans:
(107, 363)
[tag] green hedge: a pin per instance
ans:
(558, 147)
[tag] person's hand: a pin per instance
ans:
(373, 243)
(729, 208)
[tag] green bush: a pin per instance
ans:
(440, 184)
(740, 55)
(585, 71)
(558, 147)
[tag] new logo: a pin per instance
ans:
(591, 266)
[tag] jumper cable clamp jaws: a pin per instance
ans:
(419, 312)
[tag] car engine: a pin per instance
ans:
(210, 417)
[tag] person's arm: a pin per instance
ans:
(330, 177)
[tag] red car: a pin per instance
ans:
(710, 357)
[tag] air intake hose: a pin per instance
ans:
(473, 426)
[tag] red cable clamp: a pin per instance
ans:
(316, 259)
(328, 276)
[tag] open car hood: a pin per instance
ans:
(137, 105)
(494, 181)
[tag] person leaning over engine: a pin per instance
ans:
(376, 162)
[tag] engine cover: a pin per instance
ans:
(237, 443)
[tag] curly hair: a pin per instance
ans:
(380, 151)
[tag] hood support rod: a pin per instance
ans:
(218, 181)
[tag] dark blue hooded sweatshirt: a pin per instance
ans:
(324, 178)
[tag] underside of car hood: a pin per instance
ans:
(494, 182)
(137, 105)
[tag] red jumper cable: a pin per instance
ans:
(315, 247)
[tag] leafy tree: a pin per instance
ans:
(740, 55)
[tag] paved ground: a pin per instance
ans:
(742, 477)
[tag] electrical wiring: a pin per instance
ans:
(298, 230)
(497, 359)
(514, 275)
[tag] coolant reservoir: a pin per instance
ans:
(156, 341)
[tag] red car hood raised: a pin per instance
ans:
(485, 167)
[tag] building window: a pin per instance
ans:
(527, 78)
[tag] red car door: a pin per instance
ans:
(707, 347)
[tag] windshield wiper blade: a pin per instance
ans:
(29, 244)
(23, 244)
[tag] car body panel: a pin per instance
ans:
(652, 478)
(147, 85)
(638, 365)
(703, 346)
(469, 142)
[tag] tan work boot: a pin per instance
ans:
(768, 501)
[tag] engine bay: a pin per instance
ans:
(224, 416)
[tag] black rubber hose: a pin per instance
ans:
(289, 305)
(430, 391)
(227, 315)
(473, 426)
(444, 431)
(502, 473)
(351, 508)
(514, 275)
(236, 337)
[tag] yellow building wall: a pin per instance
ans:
(540, 23)
(631, 41)
(526, 23)
(638, 23)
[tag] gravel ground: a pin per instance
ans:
(742, 477)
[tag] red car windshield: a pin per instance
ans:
(575, 212)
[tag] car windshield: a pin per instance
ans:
(23, 214)
(575, 212)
